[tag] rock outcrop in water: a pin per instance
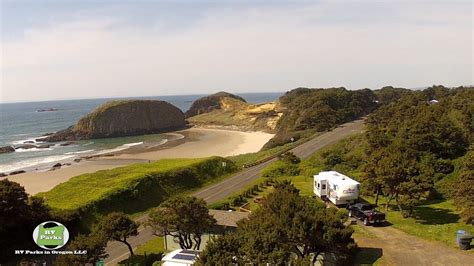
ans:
(211, 102)
(7, 149)
(124, 118)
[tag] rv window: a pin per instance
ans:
(318, 185)
(324, 186)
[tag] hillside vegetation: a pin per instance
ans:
(306, 111)
(414, 149)
(136, 187)
(413, 142)
(415, 159)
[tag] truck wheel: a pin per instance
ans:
(350, 213)
(366, 221)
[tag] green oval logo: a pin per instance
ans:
(50, 235)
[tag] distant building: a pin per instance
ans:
(226, 220)
(180, 257)
(434, 101)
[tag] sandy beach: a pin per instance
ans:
(198, 142)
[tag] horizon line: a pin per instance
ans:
(119, 97)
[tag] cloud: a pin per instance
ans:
(242, 50)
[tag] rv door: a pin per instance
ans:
(323, 188)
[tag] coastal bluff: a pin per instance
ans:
(123, 118)
(228, 111)
(211, 102)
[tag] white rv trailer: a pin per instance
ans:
(336, 187)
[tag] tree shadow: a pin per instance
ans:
(367, 255)
(384, 224)
(433, 216)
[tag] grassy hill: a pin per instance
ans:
(136, 187)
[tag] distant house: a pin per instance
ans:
(226, 221)
(434, 101)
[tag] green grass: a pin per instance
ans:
(137, 187)
(362, 231)
(229, 198)
(83, 189)
(263, 193)
(350, 151)
(303, 183)
(155, 245)
(432, 220)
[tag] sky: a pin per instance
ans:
(65, 49)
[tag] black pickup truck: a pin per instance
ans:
(366, 213)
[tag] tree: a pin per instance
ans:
(94, 244)
(185, 218)
(402, 176)
(223, 250)
(464, 193)
(19, 215)
(411, 143)
(288, 225)
(117, 226)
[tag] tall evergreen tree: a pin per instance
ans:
(464, 194)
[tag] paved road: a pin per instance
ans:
(118, 251)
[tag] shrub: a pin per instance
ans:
(332, 160)
(289, 157)
(443, 166)
(280, 168)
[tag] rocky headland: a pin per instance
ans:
(123, 118)
(225, 110)
(211, 102)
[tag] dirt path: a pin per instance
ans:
(399, 248)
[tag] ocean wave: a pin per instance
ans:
(119, 148)
(39, 162)
(25, 141)
(33, 149)
(158, 144)
(78, 152)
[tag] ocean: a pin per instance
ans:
(21, 123)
